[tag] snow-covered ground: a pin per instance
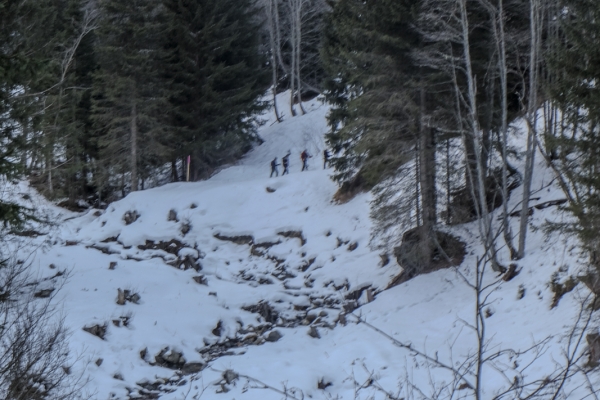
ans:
(250, 274)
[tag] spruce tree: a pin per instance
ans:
(127, 98)
(575, 73)
(373, 85)
(382, 99)
(21, 65)
(65, 140)
(216, 73)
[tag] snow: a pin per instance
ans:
(305, 276)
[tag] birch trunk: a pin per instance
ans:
(531, 123)
(474, 130)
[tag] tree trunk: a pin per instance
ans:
(50, 166)
(174, 177)
(503, 72)
(531, 122)
(292, 42)
(474, 129)
(134, 137)
(427, 183)
(298, 18)
(272, 42)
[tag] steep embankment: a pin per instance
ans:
(250, 274)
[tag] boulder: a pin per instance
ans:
(273, 336)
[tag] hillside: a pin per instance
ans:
(250, 274)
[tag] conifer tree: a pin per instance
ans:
(63, 144)
(21, 65)
(574, 88)
(216, 73)
(383, 99)
(127, 99)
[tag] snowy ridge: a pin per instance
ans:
(221, 265)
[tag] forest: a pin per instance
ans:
(102, 98)
(438, 108)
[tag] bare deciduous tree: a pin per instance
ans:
(35, 361)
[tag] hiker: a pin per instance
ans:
(304, 157)
(325, 158)
(274, 166)
(285, 161)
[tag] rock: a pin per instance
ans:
(130, 217)
(217, 330)
(350, 306)
(270, 190)
(118, 376)
(135, 298)
(369, 294)
(240, 239)
(170, 359)
(116, 322)
(144, 353)
(385, 260)
(511, 273)
(120, 297)
(172, 215)
(97, 330)
(52, 266)
(112, 265)
(273, 336)
(174, 357)
(314, 333)
(322, 384)
(341, 242)
(200, 279)
(192, 368)
(342, 319)
(188, 262)
(521, 292)
(353, 246)
(593, 340)
(43, 293)
(126, 295)
(99, 361)
(185, 228)
(265, 310)
(230, 376)
(311, 318)
(293, 234)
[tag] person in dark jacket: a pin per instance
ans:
(274, 166)
(285, 161)
(325, 158)
(304, 156)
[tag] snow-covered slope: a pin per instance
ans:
(250, 274)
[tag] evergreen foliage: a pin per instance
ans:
(574, 88)
(128, 97)
(216, 74)
(371, 85)
(21, 63)
(65, 142)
